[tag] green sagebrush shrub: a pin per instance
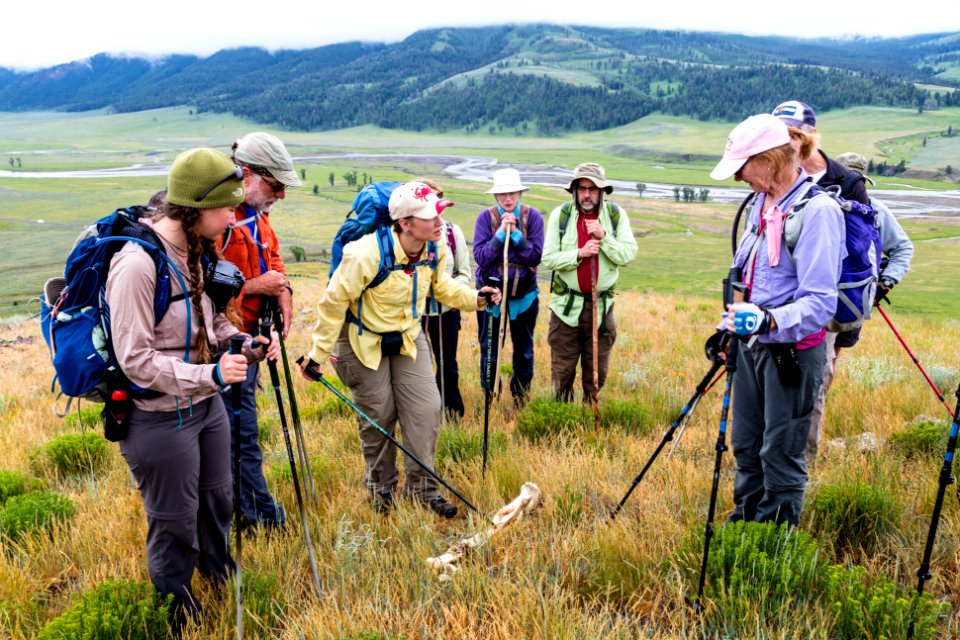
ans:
(15, 483)
(629, 415)
(35, 511)
(115, 609)
(854, 514)
(755, 568)
(878, 608)
(66, 455)
(457, 444)
(545, 417)
(925, 437)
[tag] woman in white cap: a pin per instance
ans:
(790, 276)
(370, 327)
(178, 440)
(524, 225)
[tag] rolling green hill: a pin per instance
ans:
(524, 79)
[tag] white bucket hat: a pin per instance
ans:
(506, 181)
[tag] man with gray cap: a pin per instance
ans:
(587, 241)
(251, 244)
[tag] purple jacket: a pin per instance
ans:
(803, 299)
(523, 256)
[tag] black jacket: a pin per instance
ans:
(855, 189)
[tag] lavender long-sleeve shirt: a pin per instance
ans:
(488, 251)
(801, 298)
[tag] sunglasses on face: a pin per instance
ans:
(275, 185)
(236, 174)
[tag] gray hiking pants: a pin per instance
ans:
(183, 472)
(400, 389)
(770, 427)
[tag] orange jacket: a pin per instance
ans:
(240, 249)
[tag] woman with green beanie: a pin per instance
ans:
(178, 441)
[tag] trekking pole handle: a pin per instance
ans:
(313, 374)
(266, 327)
(236, 344)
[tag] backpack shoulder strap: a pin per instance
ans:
(614, 209)
(849, 181)
(565, 210)
(385, 244)
(451, 240)
(493, 215)
(524, 218)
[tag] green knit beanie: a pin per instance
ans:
(197, 170)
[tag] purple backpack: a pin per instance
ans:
(860, 270)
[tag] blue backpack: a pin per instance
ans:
(75, 318)
(372, 211)
(860, 270)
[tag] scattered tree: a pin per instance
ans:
(641, 187)
(316, 189)
(331, 178)
(303, 174)
(676, 194)
(299, 253)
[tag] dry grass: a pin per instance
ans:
(564, 573)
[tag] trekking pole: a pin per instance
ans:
(946, 478)
(685, 413)
(275, 381)
(595, 340)
(916, 361)
(488, 378)
(318, 377)
(686, 420)
(502, 337)
(308, 486)
(720, 447)
(236, 395)
(443, 377)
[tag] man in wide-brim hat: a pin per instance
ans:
(523, 224)
(586, 238)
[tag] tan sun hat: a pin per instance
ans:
(506, 181)
(594, 173)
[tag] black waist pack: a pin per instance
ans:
(390, 343)
(788, 365)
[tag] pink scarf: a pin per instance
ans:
(773, 218)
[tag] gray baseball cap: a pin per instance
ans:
(262, 149)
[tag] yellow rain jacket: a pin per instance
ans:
(393, 305)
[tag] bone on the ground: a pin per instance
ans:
(446, 564)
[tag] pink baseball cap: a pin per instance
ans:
(754, 135)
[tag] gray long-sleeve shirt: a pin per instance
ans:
(894, 242)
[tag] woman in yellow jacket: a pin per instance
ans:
(368, 324)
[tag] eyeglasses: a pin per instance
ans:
(275, 185)
(236, 174)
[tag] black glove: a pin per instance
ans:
(884, 285)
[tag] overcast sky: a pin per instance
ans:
(35, 34)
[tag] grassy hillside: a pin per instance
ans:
(565, 572)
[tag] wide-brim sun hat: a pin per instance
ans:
(506, 181)
(594, 173)
(204, 178)
(261, 149)
(754, 135)
(416, 200)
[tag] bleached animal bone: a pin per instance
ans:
(446, 564)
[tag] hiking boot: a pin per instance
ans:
(441, 507)
(383, 501)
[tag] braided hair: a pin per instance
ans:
(197, 246)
